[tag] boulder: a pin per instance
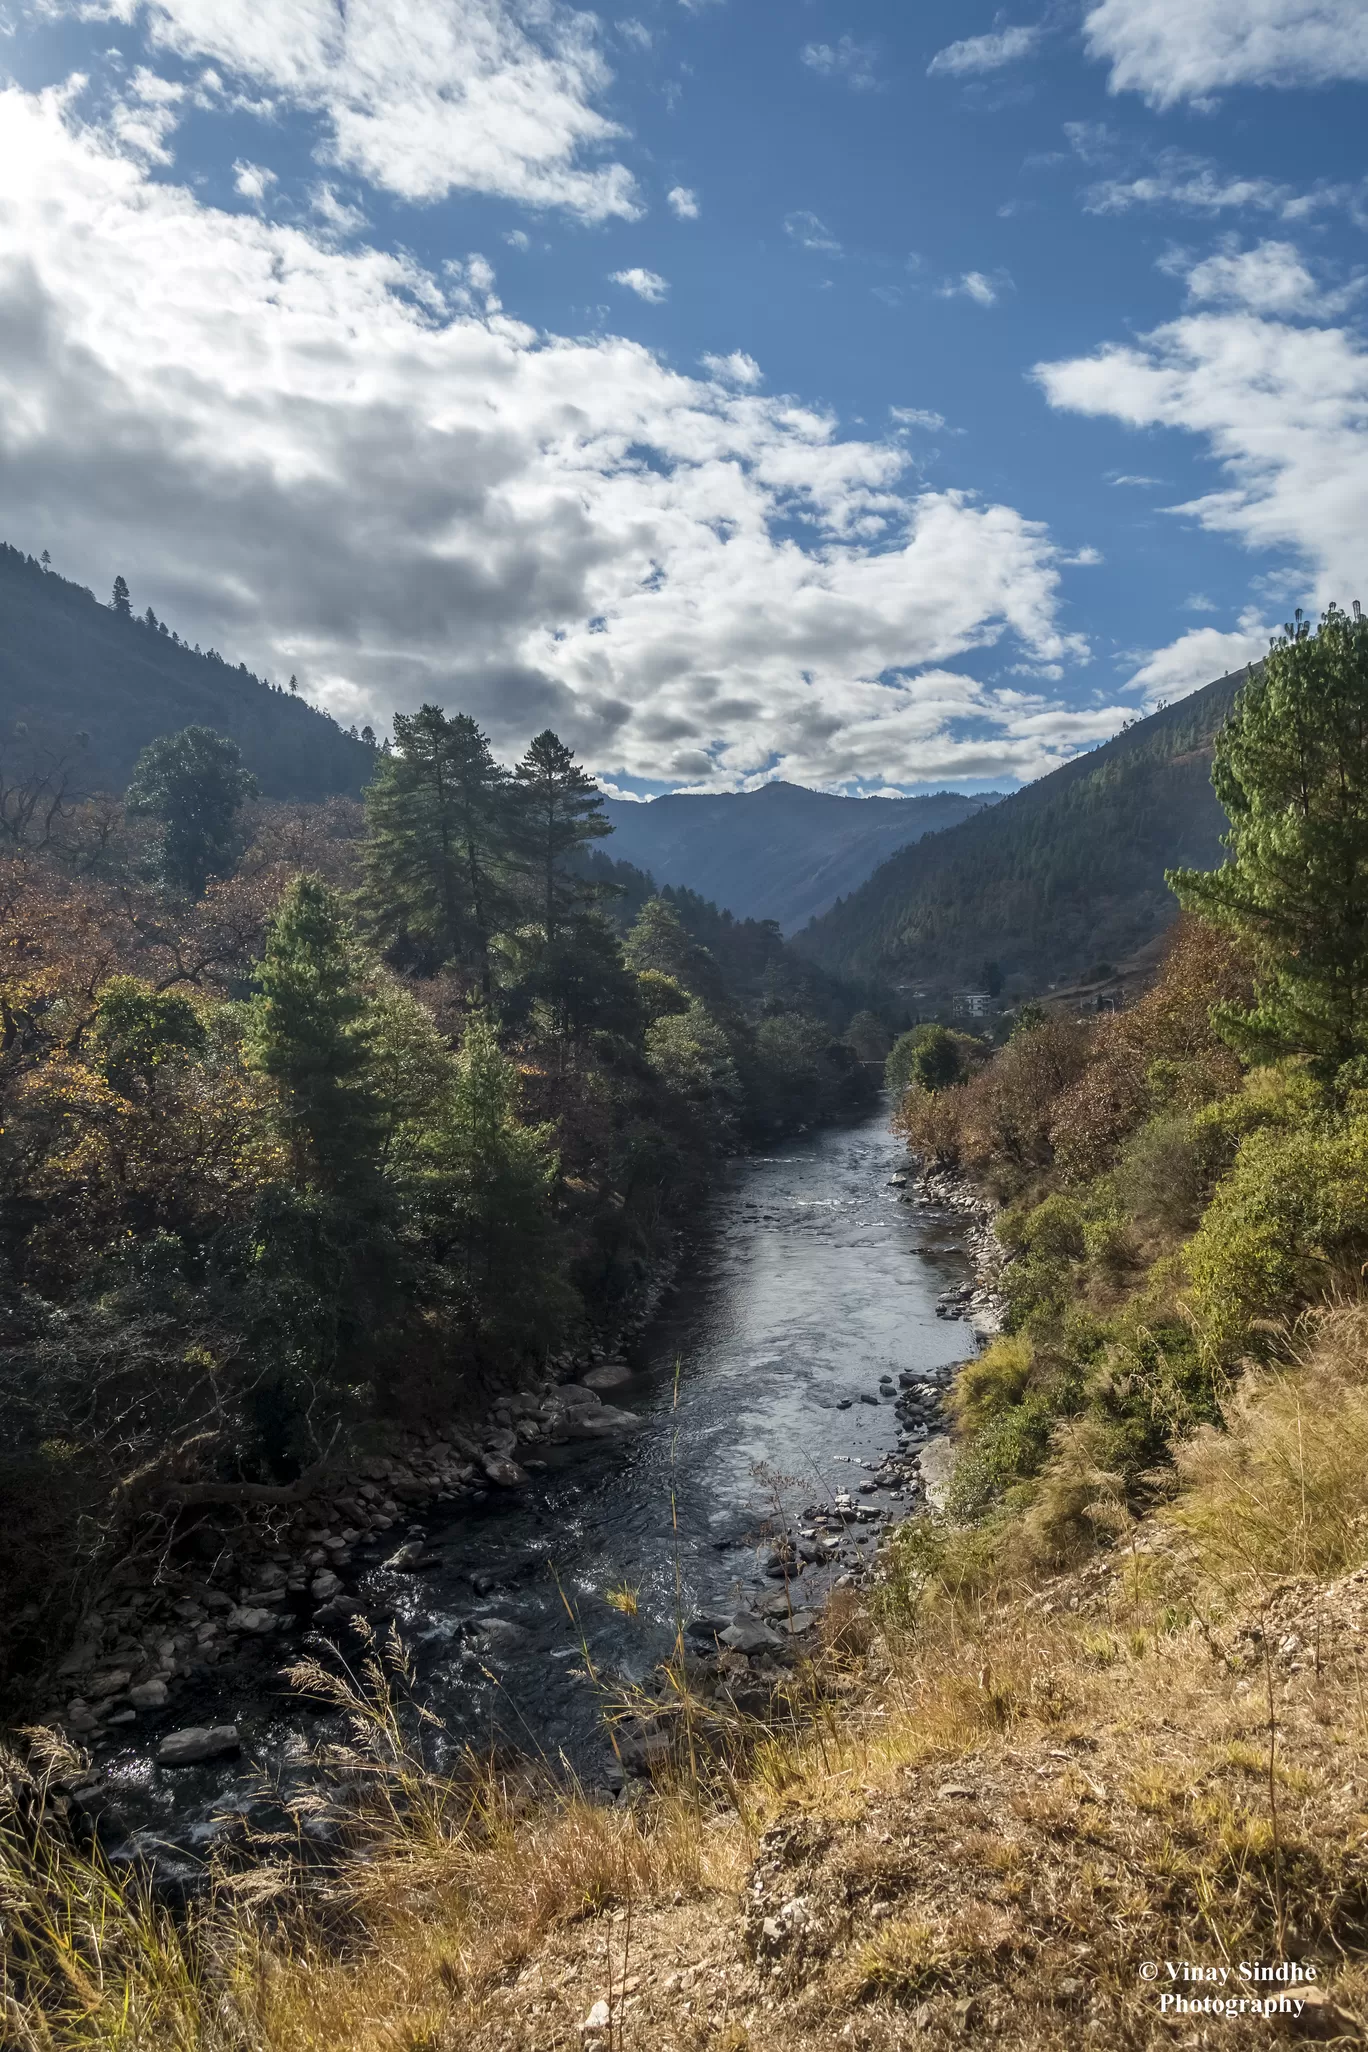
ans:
(748, 1635)
(611, 1375)
(197, 1742)
(149, 1695)
(324, 1585)
(254, 1620)
(499, 1468)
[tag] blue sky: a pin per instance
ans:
(880, 397)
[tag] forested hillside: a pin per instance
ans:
(318, 1122)
(71, 667)
(1064, 874)
(782, 852)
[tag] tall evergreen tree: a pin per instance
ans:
(121, 602)
(437, 840)
(558, 811)
(195, 784)
(1291, 770)
(488, 1181)
(310, 1032)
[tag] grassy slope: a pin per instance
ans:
(988, 1825)
(1068, 871)
(68, 666)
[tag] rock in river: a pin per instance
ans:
(195, 1743)
(505, 1472)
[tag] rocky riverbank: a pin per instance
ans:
(238, 1581)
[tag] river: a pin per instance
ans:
(805, 1282)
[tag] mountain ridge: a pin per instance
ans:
(71, 666)
(781, 852)
(1065, 872)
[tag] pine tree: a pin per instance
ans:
(558, 811)
(310, 1032)
(195, 784)
(121, 602)
(488, 1182)
(1291, 770)
(437, 841)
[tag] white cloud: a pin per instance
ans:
(1198, 602)
(1269, 279)
(252, 181)
(1283, 409)
(984, 53)
(636, 33)
(1194, 185)
(736, 369)
(682, 203)
(1172, 50)
(975, 285)
(1196, 658)
(810, 233)
(334, 212)
(312, 457)
(1128, 477)
(517, 238)
(846, 59)
(916, 416)
(421, 97)
(646, 284)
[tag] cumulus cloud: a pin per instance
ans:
(317, 457)
(646, 284)
(1196, 658)
(1283, 409)
(736, 369)
(1270, 279)
(847, 60)
(1172, 50)
(421, 97)
(682, 203)
(977, 54)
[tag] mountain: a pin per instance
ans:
(70, 666)
(780, 852)
(1067, 873)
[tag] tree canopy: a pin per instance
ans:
(1291, 770)
(194, 783)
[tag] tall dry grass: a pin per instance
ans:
(1283, 1489)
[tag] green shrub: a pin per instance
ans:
(1289, 1219)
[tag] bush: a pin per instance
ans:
(1289, 1220)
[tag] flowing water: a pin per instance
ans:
(806, 1281)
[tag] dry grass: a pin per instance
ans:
(977, 1828)
(1284, 1490)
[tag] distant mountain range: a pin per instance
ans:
(781, 852)
(1063, 875)
(71, 667)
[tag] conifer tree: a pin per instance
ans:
(1291, 770)
(559, 810)
(310, 1032)
(488, 1188)
(195, 784)
(121, 603)
(437, 841)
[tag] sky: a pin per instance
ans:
(883, 397)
